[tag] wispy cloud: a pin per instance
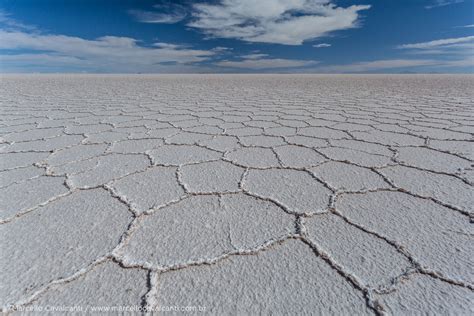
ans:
(467, 62)
(168, 13)
(442, 3)
(456, 51)
(168, 45)
(322, 45)
(254, 56)
(449, 52)
(437, 56)
(438, 43)
(7, 22)
(255, 62)
(289, 22)
(222, 49)
(377, 65)
(108, 53)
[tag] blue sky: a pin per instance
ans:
(228, 36)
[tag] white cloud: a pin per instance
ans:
(438, 43)
(265, 63)
(289, 22)
(322, 45)
(451, 52)
(442, 3)
(222, 49)
(254, 56)
(168, 45)
(154, 17)
(8, 22)
(465, 62)
(43, 59)
(108, 53)
(165, 13)
(376, 65)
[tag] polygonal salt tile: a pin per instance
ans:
(187, 138)
(461, 148)
(114, 119)
(465, 128)
(326, 119)
(280, 131)
(163, 132)
(38, 133)
(389, 138)
(105, 137)
(55, 123)
(76, 153)
(210, 121)
(306, 141)
(298, 191)
(298, 157)
(136, 145)
(175, 155)
(362, 146)
(22, 196)
(211, 130)
(46, 144)
(234, 118)
(262, 124)
(347, 177)
(436, 236)
(105, 285)
(16, 128)
(137, 123)
(438, 133)
(74, 167)
(422, 294)
(322, 132)
(225, 126)
(356, 157)
(391, 128)
(265, 117)
(262, 141)
(57, 240)
(432, 160)
(17, 160)
(148, 124)
(108, 168)
(202, 228)
(18, 175)
(221, 143)
(244, 131)
(132, 131)
(279, 280)
(149, 189)
(292, 123)
(85, 128)
(253, 157)
(444, 188)
(215, 176)
(352, 127)
(186, 123)
(369, 258)
(91, 121)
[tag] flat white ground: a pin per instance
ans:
(243, 194)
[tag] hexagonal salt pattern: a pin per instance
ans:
(286, 277)
(296, 190)
(209, 227)
(256, 194)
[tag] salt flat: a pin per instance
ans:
(240, 194)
